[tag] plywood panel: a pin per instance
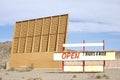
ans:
(36, 42)
(61, 40)
(34, 59)
(21, 47)
(31, 28)
(39, 25)
(29, 42)
(55, 24)
(24, 29)
(52, 43)
(46, 26)
(63, 24)
(44, 44)
(17, 29)
(15, 45)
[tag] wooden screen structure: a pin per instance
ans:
(41, 35)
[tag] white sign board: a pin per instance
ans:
(86, 68)
(82, 44)
(92, 55)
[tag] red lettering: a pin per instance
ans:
(67, 55)
(72, 55)
(77, 55)
(63, 55)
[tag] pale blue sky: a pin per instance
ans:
(90, 20)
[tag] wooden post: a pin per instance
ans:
(83, 53)
(104, 60)
(104, 66)
(83, 66)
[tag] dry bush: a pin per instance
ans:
(1, 66)
(30, 79)
(11, 69)
(98, 77)
(0, 78)
(105, 76)
(74, 76)
(37, 78)
(6, 73)
(25, 69)
(22, 77)
(101, 77)
(34, 79)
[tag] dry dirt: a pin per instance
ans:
(37, 74)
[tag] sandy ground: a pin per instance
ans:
(37, 74)
(112, 72)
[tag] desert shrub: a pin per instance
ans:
(25, 69)
(74, 76)
(11, 69)
(105, 76)
(30, 79)
(7, 73)
(98, 77)
(0, 78)
(22, 77)
(37, 78)
(1, 67)
(34, 79)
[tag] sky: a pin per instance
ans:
(89, 20)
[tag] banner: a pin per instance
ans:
(88, 55)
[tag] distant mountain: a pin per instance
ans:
(5, 49)
(118, 54)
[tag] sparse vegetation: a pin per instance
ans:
(0, 78)
(6, 73)
(30, 79)
(37, 78)
(74, 76)
(22, 77)
(101, 77)
(11, 69)
(1, 67)
(98, 77)
(105, 76)
(25, 69)
(34, 79)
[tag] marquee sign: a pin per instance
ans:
(88, 55)
(79, 58)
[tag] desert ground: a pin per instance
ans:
(56, 74)
(111, 72)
